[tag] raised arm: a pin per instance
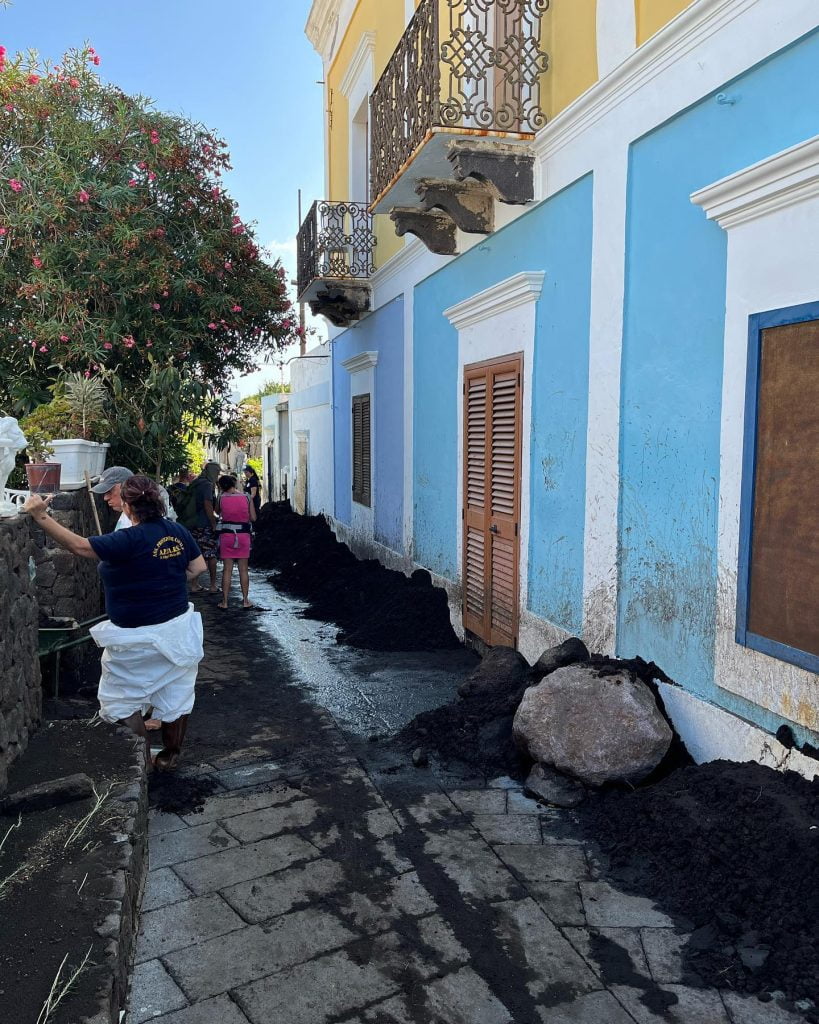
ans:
(37, 508)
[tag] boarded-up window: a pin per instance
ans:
(778, 605)
(361, 449)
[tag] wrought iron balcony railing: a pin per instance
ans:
(461, 67)
(335, 242)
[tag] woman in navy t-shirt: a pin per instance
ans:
(153, 638)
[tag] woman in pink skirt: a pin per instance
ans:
(237, 513)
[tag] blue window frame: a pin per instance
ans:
(744, 635)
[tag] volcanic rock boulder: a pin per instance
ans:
(546, 784)
(567, 653)
(501, 670)
(594, 729)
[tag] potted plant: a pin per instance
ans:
(69, 421)
(43, 476)
(84, 399)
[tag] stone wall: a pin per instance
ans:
(20, 691)
(68, 586)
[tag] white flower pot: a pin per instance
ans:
(76, 456)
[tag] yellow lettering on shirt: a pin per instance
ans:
(168, 547)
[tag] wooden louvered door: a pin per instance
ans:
(361, 450)
(492, 443)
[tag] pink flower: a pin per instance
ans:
(87, 374)
(215, 193)
(43, 348)
(155, 305)
(95, 60)
(236, 309)
(9, 106)
(155, 137)
(63, 337)
(3, 232)
(237, 229)
(164, 295)
(128, 341)
(15, 185)
(74, 83)
(228, 265)
(132, 182)
(33, 79)
(37, 262)
(33, 344)
(108, 346)
(149, 343)
(82, 196)
(212, 326)
(151, 176)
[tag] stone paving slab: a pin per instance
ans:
(586, 941)
(500, 829)
(561, 902)
(270, 821)
(157, 993)
(692, 1006)
(219, 870)
(163, 887)
(592, 1008)
(472, 865)
(221, 1010)
(187, 844)
(462, 997)
(749, 1010)
(663, 947)
(315, 992)
(254, 952)
(227, 806)
(607, 908)
(183, 924)
(479, 801)
(159, 822)
(545, 863)
(263, 898)
(256, 774)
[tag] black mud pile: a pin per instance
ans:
(734, 848)
(375, 608)
(476, 729)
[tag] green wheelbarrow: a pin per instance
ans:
(60, 637)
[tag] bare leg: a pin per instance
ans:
(227, 576)
(137, 726)
(244, 581)
(212, 571)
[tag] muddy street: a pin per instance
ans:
(303, 870)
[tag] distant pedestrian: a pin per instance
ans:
(237, 513)
(179, 489)
(204, 520)
(253, 487)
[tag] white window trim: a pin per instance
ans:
(361, 368)
(769, 211)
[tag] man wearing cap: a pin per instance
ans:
(110, 485)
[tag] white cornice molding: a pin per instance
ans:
(398, 263)
(364, 53)
(673, 42)
(362, 361)
(514, 291)
(321, 25)
(772, 184)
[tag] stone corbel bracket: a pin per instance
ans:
(470, 203)
(342, 304)
(509, 170)
(435, 228)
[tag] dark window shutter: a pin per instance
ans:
(361, 450)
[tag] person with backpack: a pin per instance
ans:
(177, 490)
(196, 510)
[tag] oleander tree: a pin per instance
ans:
(122, 254)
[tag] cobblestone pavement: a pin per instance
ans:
(322, 885)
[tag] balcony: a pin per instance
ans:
(459, 99)
(335, 261)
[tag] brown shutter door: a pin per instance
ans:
(475, 481)
(504, 490)
(357, 466)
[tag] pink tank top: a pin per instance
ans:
(234, 508)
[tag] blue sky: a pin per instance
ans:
(244, 68)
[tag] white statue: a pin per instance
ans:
(12, 441)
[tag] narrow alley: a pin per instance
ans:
(307, 873)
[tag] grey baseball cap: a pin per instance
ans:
(113, 475)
